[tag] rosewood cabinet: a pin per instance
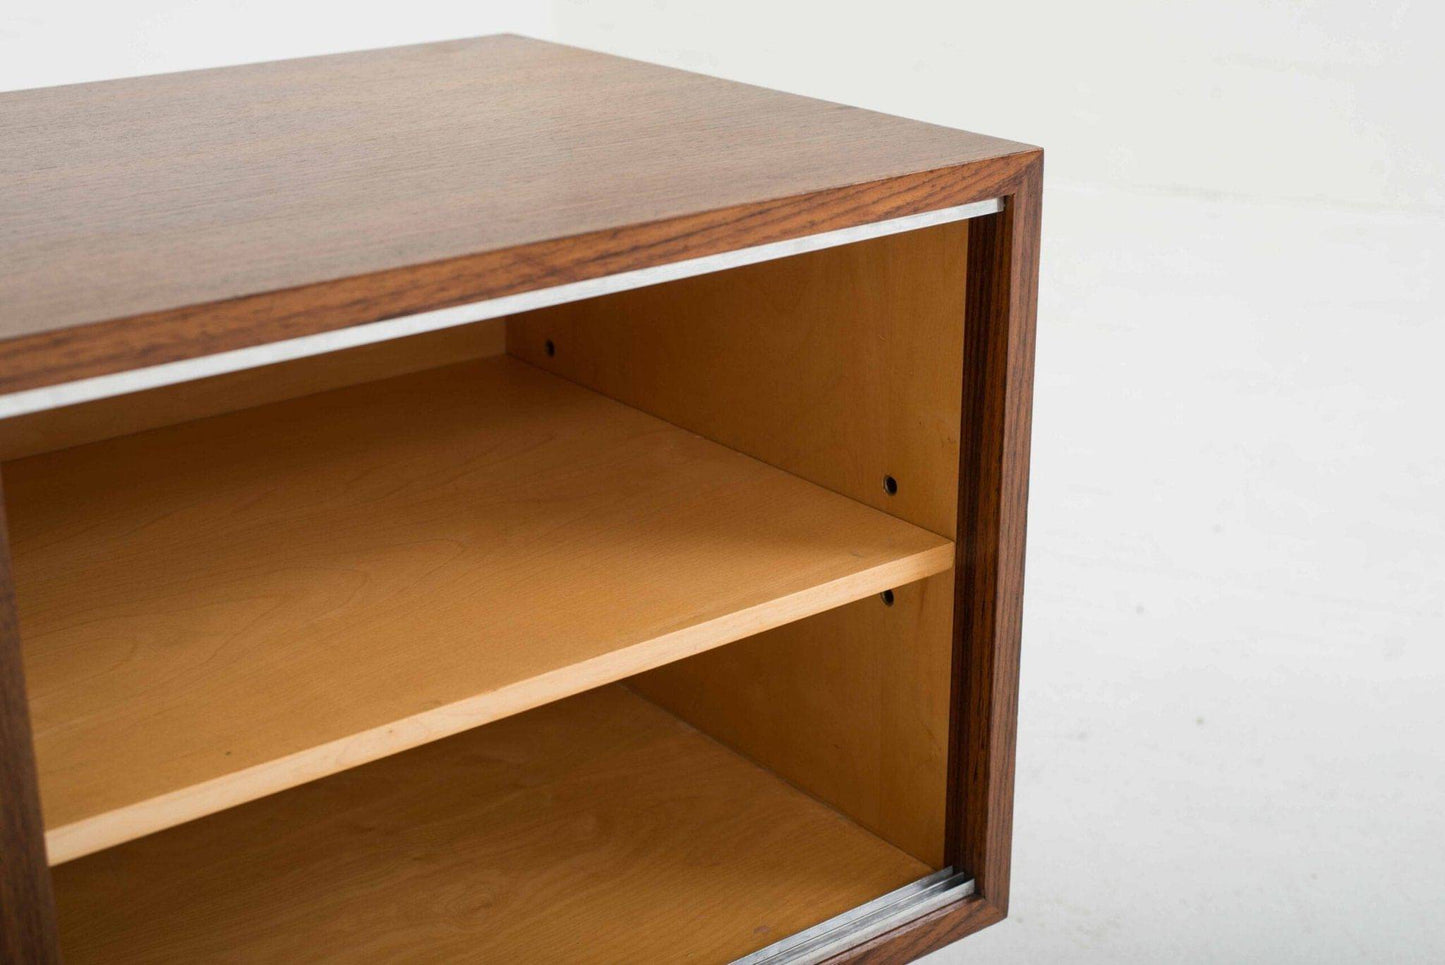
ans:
(493, 501)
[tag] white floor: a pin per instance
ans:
(1232, 739)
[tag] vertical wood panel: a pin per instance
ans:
(27, 910)
(840, 366)
(1003, 303)
(993, 512)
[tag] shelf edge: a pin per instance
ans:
(110, 828)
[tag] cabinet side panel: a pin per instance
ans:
(993, 519)
(844, 367)
(27, 910)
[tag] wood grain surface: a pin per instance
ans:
(222, 609)
(993, 518)
(850, 705)
(598, 829)
(841, 366)
(122, 415)
(27, 911)
(160, 218)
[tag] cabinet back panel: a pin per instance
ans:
(843, 704)
(843, 366)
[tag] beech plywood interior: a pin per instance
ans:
(597, 829)
(842, 366)
(221, 609)
(878, 754)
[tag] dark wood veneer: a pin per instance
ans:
(27, 909)
(212, 210)
(993, 513)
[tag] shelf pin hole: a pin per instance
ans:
(890, 485)
(887, 597)
(551, 348)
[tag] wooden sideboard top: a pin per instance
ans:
(162, 218)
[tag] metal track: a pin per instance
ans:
(854, 927)
(186, 370)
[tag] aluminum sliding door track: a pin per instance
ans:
(186, 370)
(835, 935)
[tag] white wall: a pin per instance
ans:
(1323, 100)
(48, 42)
(1326, 100)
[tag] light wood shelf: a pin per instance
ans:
(599, 828)
(222, 609)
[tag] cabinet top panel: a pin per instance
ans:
(155, 219)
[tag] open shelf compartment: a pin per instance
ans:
(621, 629)
(600, 828)
(222, 609)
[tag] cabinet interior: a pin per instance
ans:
(620, 629)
